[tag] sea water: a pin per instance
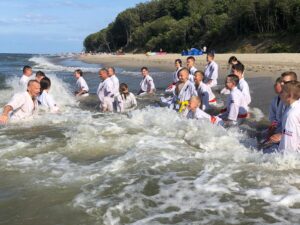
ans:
(153, 167)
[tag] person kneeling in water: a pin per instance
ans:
(45, 99)
(125, 101)
(193, 111)
(147, 83)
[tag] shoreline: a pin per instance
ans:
(256, 65)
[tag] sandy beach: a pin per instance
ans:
(257, 65)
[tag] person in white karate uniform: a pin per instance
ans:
(82, 89)
(194, 112)
(204, 92)
(290, 140)
(211, 71)
(45, 99)
(39, 75)
(114, 79)
(190, 64)
(27, 73)
(105, 92)
(178, 66)
(183, 92)
(22, 105)
(125, 101)
(238, 70)
(236, 107)
(147, 84)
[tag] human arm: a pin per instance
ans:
(5, 114)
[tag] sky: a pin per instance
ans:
(54, 26)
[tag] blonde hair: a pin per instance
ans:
(196, 98)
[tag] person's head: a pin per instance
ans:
(123, 89)
(198, 77)
(178, 63)
(144, 71)
(33, 88)
(103, 73)
(27, 71)
(231, 81)
(210, 56)
(288, 77)
(190, 61)
(111, 71)
(277, 86)
(238, 69)
(290, 92)
(194, 103)
(232, 60)
(45, 84)
(78, 73)
(183, 75)
(39, 75)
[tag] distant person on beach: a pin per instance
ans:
(193, 111)
(105, 91)
(114, 79)
(147, 83)
(236, 106)
(290, 140)
(178, 67)
(238, 70)
(211, 72)
(27, 72)
(39, 75)
(82, 89)
(45, 99)
(22, 105)
(231, 61)
(204, 49)
(183, 92)
(124, 101)
(204, 91)
(190, 64)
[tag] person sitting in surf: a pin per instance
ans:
(236, 106)
(124, 101)
(147, 83)
(82, 89)
(204, 92)
(190, 64)
(45, 99)
(39, 75)
(183, 92)
(178, 66)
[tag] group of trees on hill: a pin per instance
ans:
(174, 25)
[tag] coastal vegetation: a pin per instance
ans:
(223, 25)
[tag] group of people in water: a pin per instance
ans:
(190, 94)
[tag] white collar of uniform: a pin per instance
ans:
(234, 89)
(29, 96)
(295, 104)
(242, 79)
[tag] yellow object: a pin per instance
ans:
(182, 105)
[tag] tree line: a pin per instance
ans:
(174, 25)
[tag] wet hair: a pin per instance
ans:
(112, 68)
(144, 68)
(40, 74)
(79, 71)
(31, 82)
(45, 84)
(292, 88)
(231, 59)
(25, 68)
(179, 61)
(238, 67)
(289, 73)
(199, 72)
(124, 87)
(191, 57)
(103, 69)
(184, 69)
(234, 79)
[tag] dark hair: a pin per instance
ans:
(191, 57)
(103, 69)
(278, 80)
(231, 59)
(289, 73)
(40, 74)
(144, 68)
(26, 68)
(234, 79)
(179, 61)
(45, 84)
(239, 67)
(199, 71)
(79, 71)
(184, 69)
(112, 68)
(212, 54)
(122, 88)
